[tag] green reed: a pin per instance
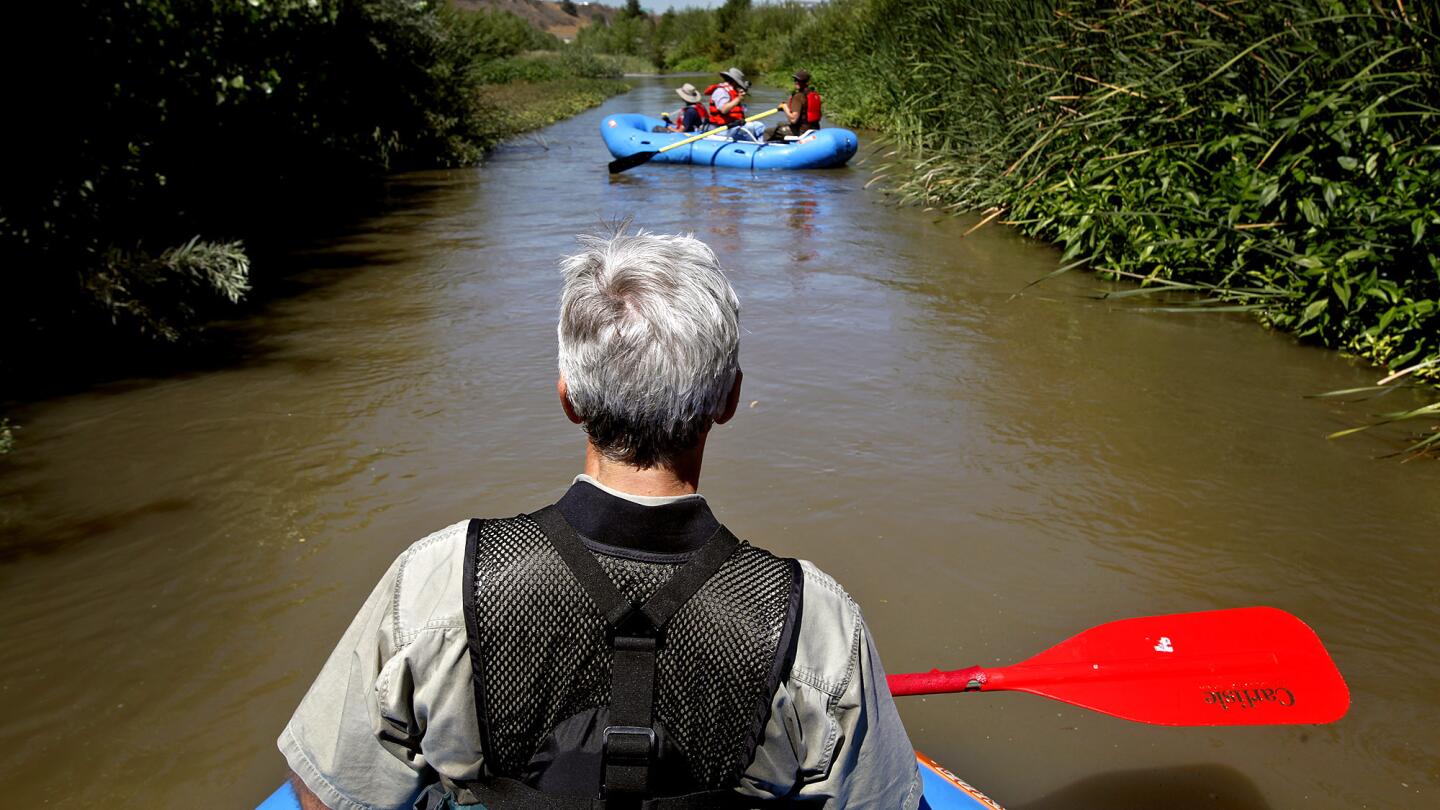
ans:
(1276, 157)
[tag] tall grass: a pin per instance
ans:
(1276, 157)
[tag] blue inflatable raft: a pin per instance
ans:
(630, 133)
(943, 791)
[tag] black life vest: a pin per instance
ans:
(719, 119)
(644, 683)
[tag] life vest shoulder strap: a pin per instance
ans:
(636, 634)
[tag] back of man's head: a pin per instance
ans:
(649, 343)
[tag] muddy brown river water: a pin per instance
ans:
(987, 470)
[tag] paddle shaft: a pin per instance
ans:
(1021, 677)
(707, 133)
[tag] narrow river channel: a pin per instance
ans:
(987, 470)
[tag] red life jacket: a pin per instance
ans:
(809, 112)
(719, 119)
(812, 110)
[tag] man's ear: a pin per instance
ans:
(733, 401)
(564, 391)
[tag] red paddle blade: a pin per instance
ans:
(1248, 666)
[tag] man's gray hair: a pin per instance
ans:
(649, 343)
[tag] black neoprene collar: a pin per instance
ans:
(606, 520)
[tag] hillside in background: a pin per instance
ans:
(548, 17)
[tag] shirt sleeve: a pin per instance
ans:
(876, 752)
(834, 735)
(359, 736)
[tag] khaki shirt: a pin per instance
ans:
(394, 705)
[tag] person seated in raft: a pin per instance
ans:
(727, 106)
(693, 117)
(761, 688)
(802, 108)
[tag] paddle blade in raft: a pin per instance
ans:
(1247, 666)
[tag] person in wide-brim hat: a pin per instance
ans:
(727, 97)
(727, 106)
(691, 117)
(736, 77)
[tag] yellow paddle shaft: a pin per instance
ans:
(694, 138)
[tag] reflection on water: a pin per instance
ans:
(987, 472)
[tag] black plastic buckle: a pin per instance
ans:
(626, 756)
(629, 745)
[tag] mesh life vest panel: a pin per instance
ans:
(719, 119)
(541, 658)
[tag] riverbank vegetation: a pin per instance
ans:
(144, 173)
(750, 36)
(1278, 158)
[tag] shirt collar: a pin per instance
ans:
(663, 525)
(643, 500)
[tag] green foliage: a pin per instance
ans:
(7, 436)
(694, 64)
(730, 28)
(686, 38)
(187, 118)
(632, 11)
(559, 65)
(1427, 442)
(478, 36)
(524, 105)
(628, 36)
(765, 34)
(737, 33)
(157, 295)
(1277, 157)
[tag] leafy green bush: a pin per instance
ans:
(1276, 157)
(569, 62)
(529, 68)
(737, 33)
(188, 118)
(692, 64)
(157, 295)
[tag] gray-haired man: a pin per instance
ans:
(619, 648)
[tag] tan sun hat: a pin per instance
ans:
(735, 75)
(688, 92)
